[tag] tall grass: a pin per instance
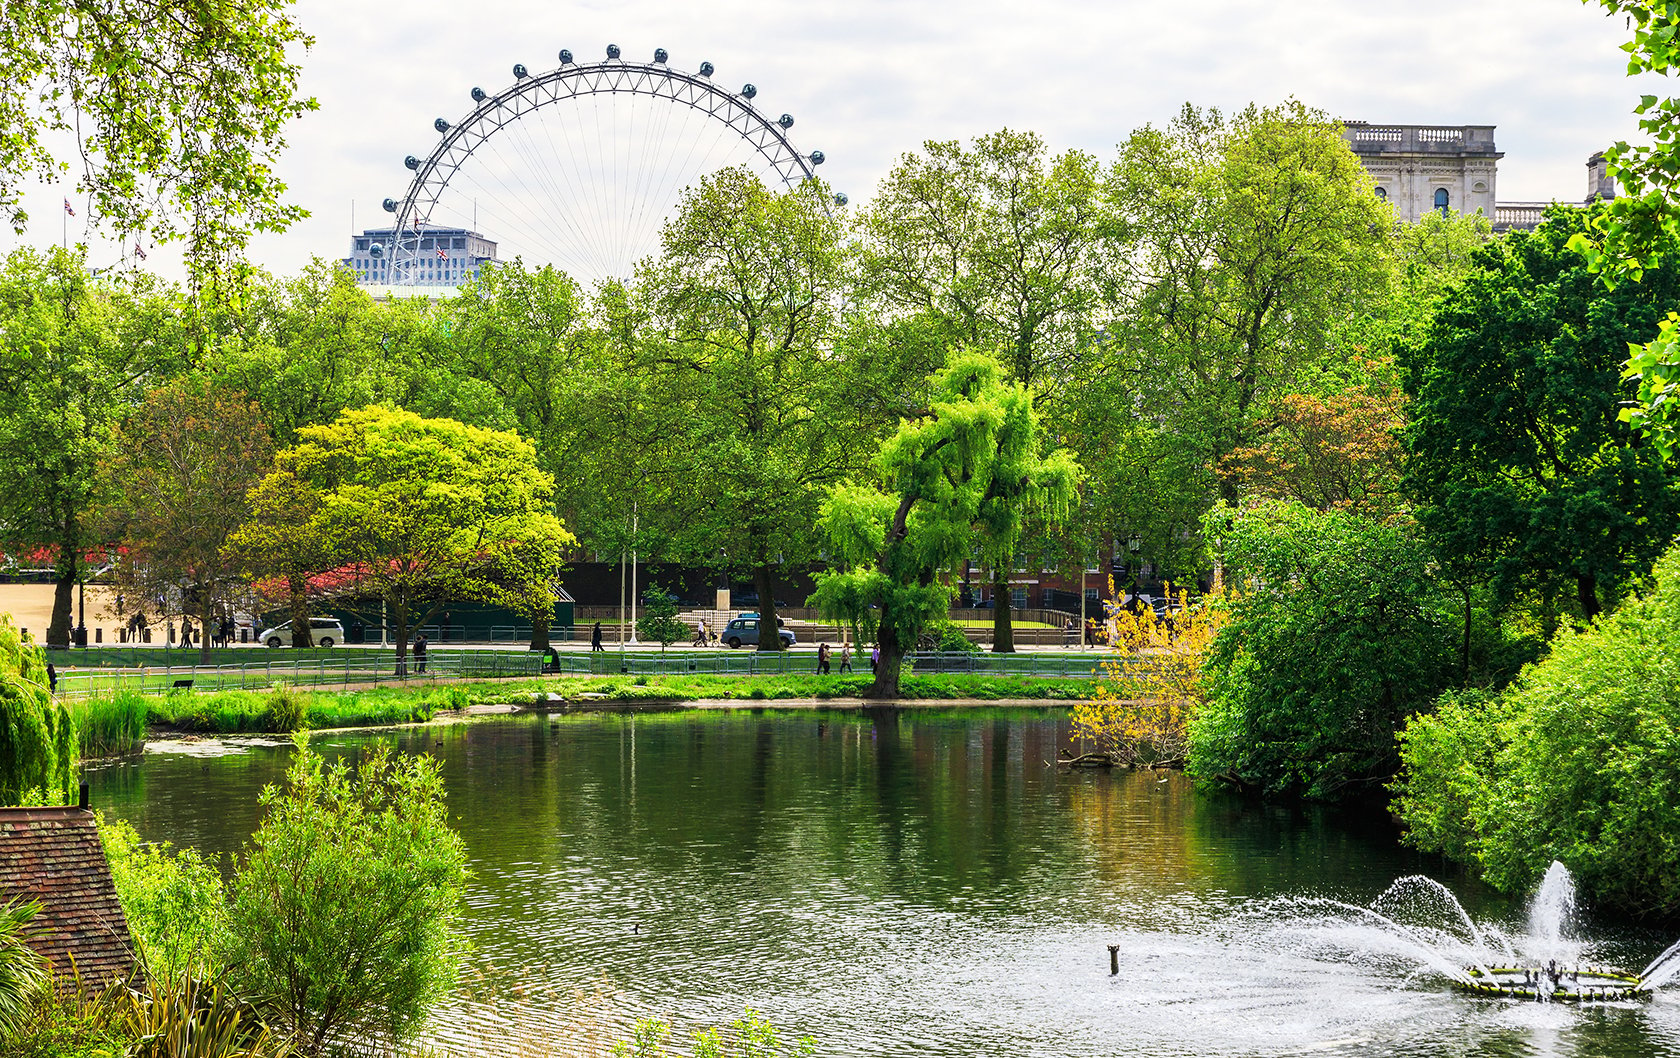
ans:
(111, 726)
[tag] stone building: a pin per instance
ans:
(1419, 168)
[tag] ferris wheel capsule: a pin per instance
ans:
(441, 125)
(785, 121)
(479, 95)
(519, 71)
(749, 90)
(660, 55)
(412, 162)
(390, 205)
(612, 51)
(840, 198)
(817, 158)
(377, 250)
(565, 56)
(706, 69)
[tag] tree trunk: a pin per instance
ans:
(886, 673)
(204, 611)
(398, 608)
(1586, 590)
(769, 631)
(1464, 658)
(300, 612)
(1003, 631)
(58, 630)
(539, 633)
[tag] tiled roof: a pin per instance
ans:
(54, 855)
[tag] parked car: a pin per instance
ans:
(323, 631)
(744, 631)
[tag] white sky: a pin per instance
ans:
(868, 80)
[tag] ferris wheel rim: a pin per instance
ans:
(492, 113)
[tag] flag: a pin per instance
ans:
(443, 253)
(68, 209)
(138, 252)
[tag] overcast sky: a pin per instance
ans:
(868, 80)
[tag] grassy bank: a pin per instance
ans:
(119, 723)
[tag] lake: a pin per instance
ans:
(911, 882)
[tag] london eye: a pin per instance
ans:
(577, 167)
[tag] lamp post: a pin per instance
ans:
(1133, 567)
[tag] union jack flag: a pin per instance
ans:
(443, 253)
(68, 208)
(138, 252)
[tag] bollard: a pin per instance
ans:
(99, 635)
(1113, 959)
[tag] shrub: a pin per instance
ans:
(1577, 761)
(111, 726)
(173, 900)
(37, 735)
(344, 912)
(190, 1017)
(287, 709)
(23, 974)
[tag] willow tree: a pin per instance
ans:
(973, 458)
(418, 512)
(37, 736)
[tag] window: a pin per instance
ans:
(1382, 193)
(1092, 596)
(1018, 598)
(1441, 200)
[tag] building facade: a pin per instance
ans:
(447, 256)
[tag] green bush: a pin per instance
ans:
(23, 974)
(1578, 761)
(287, 708)
(37, 735)
(111, 726)
(173, 900)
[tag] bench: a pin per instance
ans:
(183, 685)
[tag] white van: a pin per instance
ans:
(323, 631)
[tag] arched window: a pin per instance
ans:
(1382, 193)
(1441, 200)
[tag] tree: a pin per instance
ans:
(738, 409)
(37, 735)
(1338, 632)
(1525, 476)
(173, 109)
(1255, 236)
(1575, 761)
(659, 621)
(416, 511)
(974, 452)
(78, 352)
(995, 246)
(343, 917)
(178, 477)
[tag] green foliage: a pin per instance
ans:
(110, 726)
(24, 975)
(172, 899)
(37, 734)
(288, 709)
(659, 621)
(973, 460)
(344, 913)
(750, 1036)
(1577, 761)
(1338, 632)
(187, 1016)
(168, 115)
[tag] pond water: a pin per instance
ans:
(912, 882)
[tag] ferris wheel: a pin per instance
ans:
(578, 167)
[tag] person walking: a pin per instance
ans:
(822, 659)
(875, 658)
(420, 653)
(595, 639)
(845, 656)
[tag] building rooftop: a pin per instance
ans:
(1449, 140)
(54, 855)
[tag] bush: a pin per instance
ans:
(344, 912)
(37, 735)
(287, 708)
(23, 974)
(1577, 761)
(111, 726)
(173, 901)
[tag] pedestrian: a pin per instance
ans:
(875, 658)
(822, 659)
(595, 639)
(52, 679)
(420, 652)
(186, 633)
(845, 656)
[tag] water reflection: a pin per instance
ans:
(898, 882)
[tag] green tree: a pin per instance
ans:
(738, 407)
(37, 735)
(975, 455)
(659, 621)
(418, 512)
(995, 246)
(78, 352)
(1525, 477)
(344, 912)
(177, 479)
(173, 900)
(172, 111)
(1576, 761)
(1255, 237)
(1338, 632)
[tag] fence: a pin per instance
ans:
(364, 667)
